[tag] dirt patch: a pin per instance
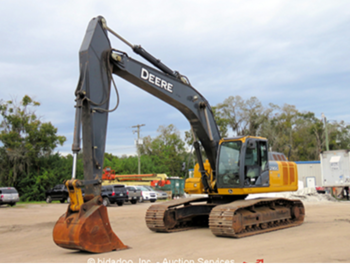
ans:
(26, 236)
(345, 220)
(23, 228)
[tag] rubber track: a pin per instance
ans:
(222, 217)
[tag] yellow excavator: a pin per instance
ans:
(235, 167)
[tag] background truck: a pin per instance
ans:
(57, 193)
(114, 194)
(335, 168)
(134, 195)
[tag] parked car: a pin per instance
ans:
(59, 192)
(320, 189)
(147, 194)
(134, 195)
(114, 194)
(161, 195)
(8, 195)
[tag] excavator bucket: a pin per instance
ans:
(87, 229)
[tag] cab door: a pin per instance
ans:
(255, 159)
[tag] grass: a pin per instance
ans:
(22, 204)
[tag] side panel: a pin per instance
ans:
(307, 169)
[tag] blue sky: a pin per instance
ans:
(294, 52)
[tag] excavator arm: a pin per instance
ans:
(92, 103)
(98, 61)
(85, 225)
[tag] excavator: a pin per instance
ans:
(234, 168)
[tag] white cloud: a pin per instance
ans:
(293, 52)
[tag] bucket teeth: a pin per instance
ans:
(88, 229)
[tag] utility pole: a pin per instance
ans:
(137, 145)
(325, 127)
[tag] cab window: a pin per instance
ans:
(228, 163)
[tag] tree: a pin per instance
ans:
(167, 150)
(245, 117)
(232, 110)
(279, 129)
(285, 127)
(254, 116)
(25, 140)
(338, 135)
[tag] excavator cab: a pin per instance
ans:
(243, 167)
(242, 162)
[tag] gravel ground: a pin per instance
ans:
(26, 236)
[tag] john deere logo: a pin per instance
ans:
(156, 80)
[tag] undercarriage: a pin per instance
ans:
(237, 219)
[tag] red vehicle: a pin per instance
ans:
(320, 189)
